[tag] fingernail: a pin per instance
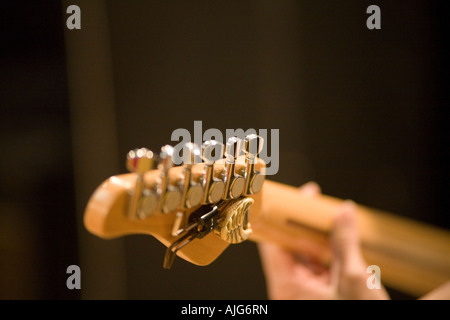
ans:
(349, 204)
(348, 209)
(310, 188)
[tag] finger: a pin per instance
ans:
(282, 263)
(310, 188)
(275, 260)
(347, 254)
(315, 266)
(345, 237)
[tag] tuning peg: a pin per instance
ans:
(233, 149)
(234, 183)
(212, 150)
(143, 202)
(253, 145)
(165, 158)
(191, 153)
(192, 191)
(140, 160)
(254, 180)
(169, 195)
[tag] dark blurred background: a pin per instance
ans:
(362, 112)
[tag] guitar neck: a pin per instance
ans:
(413, 257)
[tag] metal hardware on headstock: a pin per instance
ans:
(228, 220)
(234, 183)
(169, 195)
(143, 201)
(219, 202)
(213, 187)
(202, 222)
(254, 180)
(233, 225)
(192, 191)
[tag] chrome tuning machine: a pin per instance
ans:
(234, 183)
(192, 194)
(254, 180)
(192, 191)
(143, 201)
(169, 195)
(212, 151)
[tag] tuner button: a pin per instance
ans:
(233, 149)
(140, 160)
(256, 183)
(237, 187)
(212, 151)
(194, 196)
(191, 152)
(171, 201)
(253, 145)
(149, 204)
(216, 191)
(166, 158)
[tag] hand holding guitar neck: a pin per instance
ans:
(199, 208)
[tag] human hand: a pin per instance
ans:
(293, 275)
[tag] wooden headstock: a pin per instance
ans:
(196, 209)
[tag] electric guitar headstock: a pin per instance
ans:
(196, 209)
